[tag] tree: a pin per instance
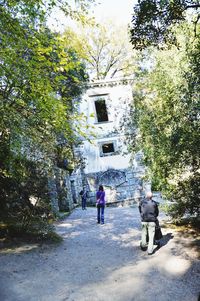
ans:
(166, 114)
(167, 104)
(39, 78)
(106, 50)
(153, 21)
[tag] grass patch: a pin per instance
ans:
(189, 226)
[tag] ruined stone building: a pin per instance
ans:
(104, 155)
(106, 105)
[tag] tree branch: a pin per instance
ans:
(195, 25)
(192, 6)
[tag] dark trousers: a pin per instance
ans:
(83, 203)
(100, 213)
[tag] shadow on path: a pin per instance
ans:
(164, 241)
(166, 238)
(100, 263)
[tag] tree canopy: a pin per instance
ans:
(39, 79)
(166, 100)
(153, 21)
(105, 49)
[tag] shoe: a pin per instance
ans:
(150, 253)
(143, 248)
(98, 222)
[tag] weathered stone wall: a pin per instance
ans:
(53, 194)
(119, 185)
(60, 190)
(76, 180)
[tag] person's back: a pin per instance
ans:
(100, 196)
(148, 210)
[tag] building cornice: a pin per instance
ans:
(109, 83)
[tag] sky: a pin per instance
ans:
(119, 10)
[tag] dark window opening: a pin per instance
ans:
(108, 148)
(101, 110)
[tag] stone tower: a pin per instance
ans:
(106, 105)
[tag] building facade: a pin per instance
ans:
(106, 106)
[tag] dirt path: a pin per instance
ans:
(101, 263)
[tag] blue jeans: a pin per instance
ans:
(100, 213)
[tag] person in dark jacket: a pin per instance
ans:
(100, 203)
(83, 195)
(148, 209)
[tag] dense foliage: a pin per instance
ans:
(106, 50)
(39, 78)
(153, 21)
(166, 113)
(167, 103)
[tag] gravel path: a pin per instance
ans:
(101, 263)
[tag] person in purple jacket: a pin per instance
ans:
(100, 202)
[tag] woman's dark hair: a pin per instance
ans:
(101, 187)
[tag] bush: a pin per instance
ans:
(186, 198)
(36, 230)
